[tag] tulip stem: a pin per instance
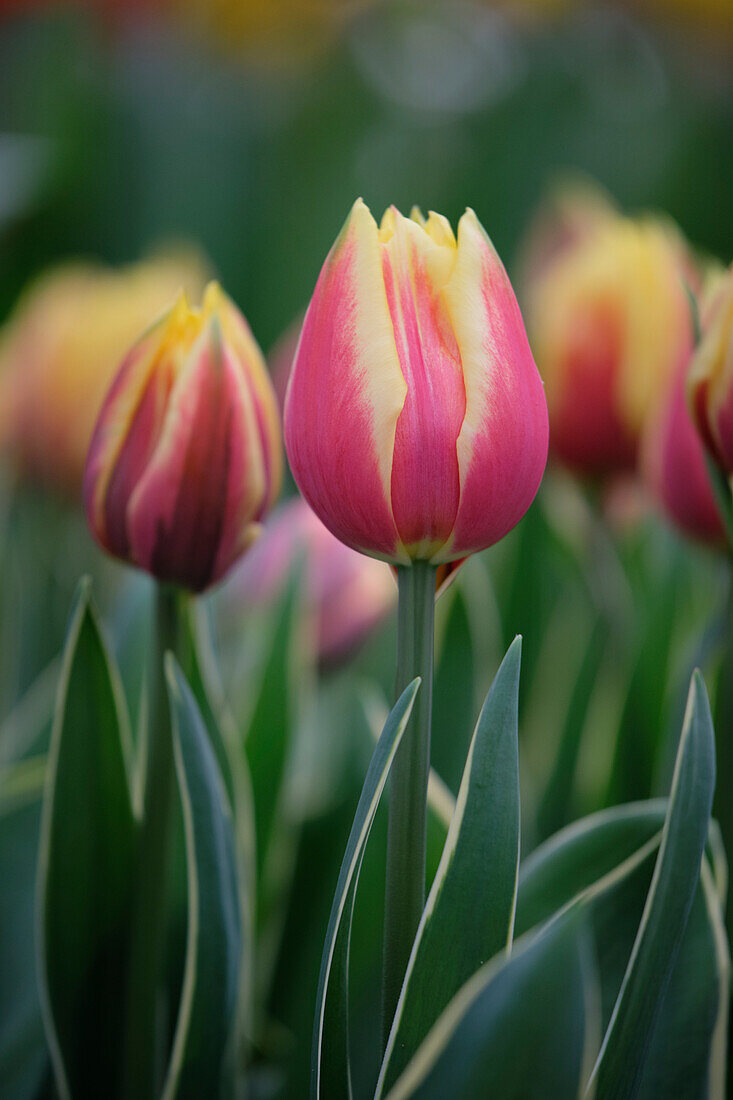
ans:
(153, 856)
(408, 790)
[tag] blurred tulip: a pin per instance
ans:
(271, 32)
(572, 212)
(710, 380)
(610, 325)
(415, 419)
(60, 350)
(673, 466)
(186, 455)
(346, 594)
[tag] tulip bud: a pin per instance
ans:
(185, 459)
(610, 325)
(60, 350)
(346, 594)
(710, 380)
(673, 467)
(415, 419)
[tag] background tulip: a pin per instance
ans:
(710, 381)
(673, 466)
(185, 459)
(415, 420)
(60, 350)
(346, 594)
(610, 326)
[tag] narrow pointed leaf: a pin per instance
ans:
(208, 1006)
(85, 866)
(516, 1029)
(24, 1060)
(619, 1069)
(469, 913)
(329, 1065)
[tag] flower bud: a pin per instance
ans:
(415, 419)
(710, 379)
(185, 458)
(610, 326)
(673, 467)
(346, 594)
(60, 351)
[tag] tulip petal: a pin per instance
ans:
(425, 483)
(126, 429)
(345, 395)
(710, 383)
(673, 464)
(238, 335)
(502, 445)
(190, 515)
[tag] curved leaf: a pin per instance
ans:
(534, 1001)
(85, 865)
(469, 914)
(329, 1064)
(213, 951)
(620, 1064)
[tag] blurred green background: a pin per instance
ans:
(251, 127)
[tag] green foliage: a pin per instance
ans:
(330, 1062)
(206, 1017)
(85, 871)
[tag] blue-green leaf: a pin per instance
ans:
(208, 1006)
(85, 866)
(516, 1029)
(469, 913)
(330, 1061)
(620, 1065)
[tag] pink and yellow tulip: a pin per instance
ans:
(610, 325)
(415, 420)
(710, 380)
(186, 456)
(346, 594)
(673, 466)
(59, 352)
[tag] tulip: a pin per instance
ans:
(346, 594)
(710, 380)
(610, 326)
(572, 212)
(415, 419)
(416, 428)
(59, 353)
(674, 470)
(185, 459)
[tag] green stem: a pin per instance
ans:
(408, 793)
(154, 842)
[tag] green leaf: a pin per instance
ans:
(453, 697)
(213, 952)
(556, 804)
(199, 666)
(268, 729)
(580, 855)
(24, 1060)
(469, 913)
(330, 1061)
(626, 1043)
(85, 865)
(516, 1030)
